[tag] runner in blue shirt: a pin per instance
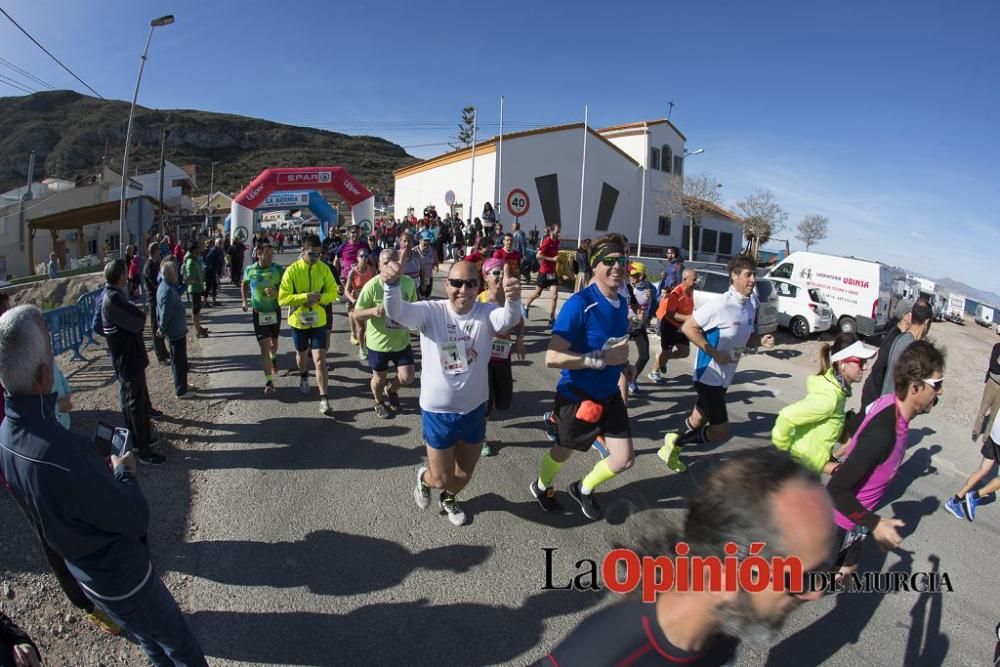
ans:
(590, 344)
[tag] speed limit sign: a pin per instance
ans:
(518, 202)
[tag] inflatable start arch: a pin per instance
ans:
(278, 179)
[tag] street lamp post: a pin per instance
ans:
(686, 155)
(155, 23)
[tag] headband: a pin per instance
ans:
(603, 250)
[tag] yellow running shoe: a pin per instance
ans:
(670, 453)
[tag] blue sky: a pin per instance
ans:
(880, 115)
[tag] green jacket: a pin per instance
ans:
(194, 274)
(809, 429)
(297, 282)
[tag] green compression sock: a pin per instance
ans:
(548, 470)
(598, 475)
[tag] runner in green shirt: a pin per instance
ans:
(387, 341)
(263, 278)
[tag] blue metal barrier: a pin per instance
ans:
(65, 329)
(87, 304)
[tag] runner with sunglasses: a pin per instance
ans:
(307, 287)
(810, 429)
(358, 277)
(500, 372)
(721, 330)
(456, 340)
(876, 451)
(590, 344)
(263, 279)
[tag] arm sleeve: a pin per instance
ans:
(286, 292)
(399, 309)
(811, 409)
(874, 444)
(507, 317)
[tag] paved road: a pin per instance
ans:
(311, 551)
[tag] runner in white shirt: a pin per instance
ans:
(456, 339)
(721, 330)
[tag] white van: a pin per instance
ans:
(984, 315)
(858, 291)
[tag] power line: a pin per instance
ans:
(16, 84)
(31, 76)
(49, 54)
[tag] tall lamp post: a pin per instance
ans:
(686, 155)
(154, 24)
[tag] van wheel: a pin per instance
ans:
(799, 327)
(847, 325)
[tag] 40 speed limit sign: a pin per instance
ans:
(518, 202)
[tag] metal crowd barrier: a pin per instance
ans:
(66, 329)
(87, 304)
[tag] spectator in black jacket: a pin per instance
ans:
(215, 263)
(872, 388)
(16, 647)
(123, 324)
(97, 523)
(991, 396)
(150, 272)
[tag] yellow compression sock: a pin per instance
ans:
(598, 475)
(548, 470)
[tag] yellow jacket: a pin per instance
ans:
(297, 282)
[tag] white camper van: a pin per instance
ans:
(858, 290)
(984, 315)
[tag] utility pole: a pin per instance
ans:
(20, 207)
(164, 133)
(208, 202)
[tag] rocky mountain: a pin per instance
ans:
(73, 134)
(982, 296)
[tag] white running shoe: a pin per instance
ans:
(422, 492)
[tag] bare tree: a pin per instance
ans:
(812, 229)
(466, 131)
(689, 198)
(763, 217)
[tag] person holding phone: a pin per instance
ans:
(590, 345)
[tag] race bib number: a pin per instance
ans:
(736, 353)
(453, 357)
(267, 318)
(308, 317)
(393, 324)
(501, 348)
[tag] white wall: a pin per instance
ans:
(429, 187)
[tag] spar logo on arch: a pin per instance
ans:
(305, 178)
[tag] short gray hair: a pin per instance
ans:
(24, 348)
(169, 271)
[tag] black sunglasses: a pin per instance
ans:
(459, 283)
(314, 254)
(496, 274)
(611, 261)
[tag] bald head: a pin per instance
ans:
(464, 270)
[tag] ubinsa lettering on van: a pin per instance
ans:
(856, 283)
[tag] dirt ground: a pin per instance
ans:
(967, 350)
(47, 294)
(29, 593)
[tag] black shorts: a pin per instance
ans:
(546, 280)
(577, 434)
(712, 403)
(991, 450)
(379, 361)
(262, 331)
(671, 336)
(501, 386)
(196, 302)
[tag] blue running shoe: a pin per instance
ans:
(955, 509)
(550, 426)
(633, 388)
(971, 501)
(600, 447)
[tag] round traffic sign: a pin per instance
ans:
(518, 202)
(449, 198)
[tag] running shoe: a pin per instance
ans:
(362, 353)
(547, 498)
(449, 505)
(588, 504)
(304, 385)
(971, 501)
(955, 509)
(600, 447)
(324, 406)
(974, 436)
(670, 453)
(524, 312)
(103, 622)
(633, 388)
(487, 449)
(381, 410)
(654, 375)
(550, 427)
(155, 414)
(422, 492)
(354, 341)
(393, 397)
(269, 388)
(152, 459)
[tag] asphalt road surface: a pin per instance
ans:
(311, 550)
